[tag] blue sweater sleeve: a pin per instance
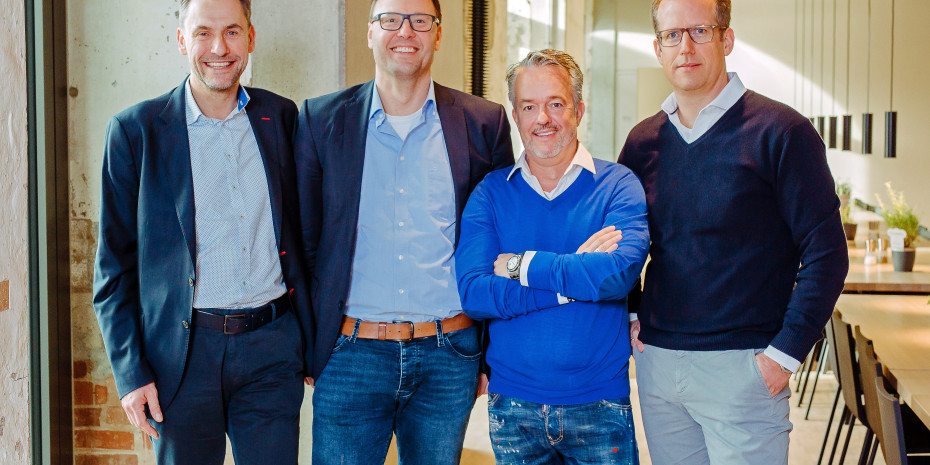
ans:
(484, 294)
(601, 276)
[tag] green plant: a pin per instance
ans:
(844, 215)
(899, 214)
(843, 188)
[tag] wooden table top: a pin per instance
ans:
(883, 278)
(899, 327)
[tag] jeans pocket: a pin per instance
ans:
(464, 344)
(340, 341)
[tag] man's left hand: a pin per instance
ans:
(772, 374)
(500, 265)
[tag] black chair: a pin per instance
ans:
(913, 433)
(831, 360)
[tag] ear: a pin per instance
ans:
(729, 38)
(579, 111)
(438, 37)
(371, 33)
(658, 50)
(182, 47)
(513, 113)
(251, 38)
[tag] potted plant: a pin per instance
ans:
(899, 215)
(843, 191)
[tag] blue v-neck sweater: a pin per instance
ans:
(539, 350)
(747, 245)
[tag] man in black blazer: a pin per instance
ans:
(384, 170)
(199, 281)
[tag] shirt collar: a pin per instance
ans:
(725, 100)
(378, 108)
(193, 111)
(582, 158)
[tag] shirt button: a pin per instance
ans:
(401, 191)
(243, 283)
(243, 249)
(400, 291)
(401, 158)
(241, 217)
(234, 187)
(401, 224)
(228, 156)
(400, 257)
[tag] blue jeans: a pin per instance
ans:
(525, 432)
(422, 390)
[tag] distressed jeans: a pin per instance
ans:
(524, 432)
(422, 390)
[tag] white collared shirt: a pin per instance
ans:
(581, 160)
(709, 115)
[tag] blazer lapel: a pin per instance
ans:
(455, 133)
(355, 136)
(180, 180)
(264, 127)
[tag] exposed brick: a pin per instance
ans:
(112, 459)
(100, 394)
(116, 416)
(87, 417)
(80, 369)
(83, 393)
(94, 439)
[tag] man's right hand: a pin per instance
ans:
(134, 406)
(634, 337)
(606, 240)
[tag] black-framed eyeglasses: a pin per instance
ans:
(699, 35)
(420, 22)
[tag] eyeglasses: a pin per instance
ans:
(419, 22)
(699, 35)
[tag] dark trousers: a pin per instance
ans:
(248, 386)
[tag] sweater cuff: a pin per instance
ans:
(537, 275)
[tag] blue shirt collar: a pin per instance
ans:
(193, 111)
(378, 109)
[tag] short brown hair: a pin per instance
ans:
(721, 11)
(183, 5)
(436, 6)
(547, 57)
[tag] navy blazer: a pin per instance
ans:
(145, 267)
(330, 151)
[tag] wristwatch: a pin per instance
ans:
(513, 266)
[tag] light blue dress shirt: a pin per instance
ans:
(403, 264)
(237, 254)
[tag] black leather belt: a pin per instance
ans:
(247, 320)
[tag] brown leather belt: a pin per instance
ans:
(403, 331)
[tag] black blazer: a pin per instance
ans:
(145, 267)
(330, 151)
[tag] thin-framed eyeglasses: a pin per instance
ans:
(699, 35)
(420, 22)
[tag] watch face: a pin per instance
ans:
(513, 263)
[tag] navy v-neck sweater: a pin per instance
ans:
(747, 244)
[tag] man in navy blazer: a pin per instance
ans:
(199, 284)
(384, 170)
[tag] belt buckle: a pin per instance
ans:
(226, 319)
(403, 322)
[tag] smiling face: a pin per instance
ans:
(217, 38)
(694, 69)
(404, 53)
(545, 112)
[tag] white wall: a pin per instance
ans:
(14, 329)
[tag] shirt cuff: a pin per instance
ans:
(634, 316)
(782, 359)
(525, 269)
(562, 299)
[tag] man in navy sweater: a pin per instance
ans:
(748, 255)
(558, 322)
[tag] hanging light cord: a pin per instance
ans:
(868, 63)
(891, 84)
(833, 92)
(848, 28)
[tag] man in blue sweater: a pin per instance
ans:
(559, 353)
(748, 255)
